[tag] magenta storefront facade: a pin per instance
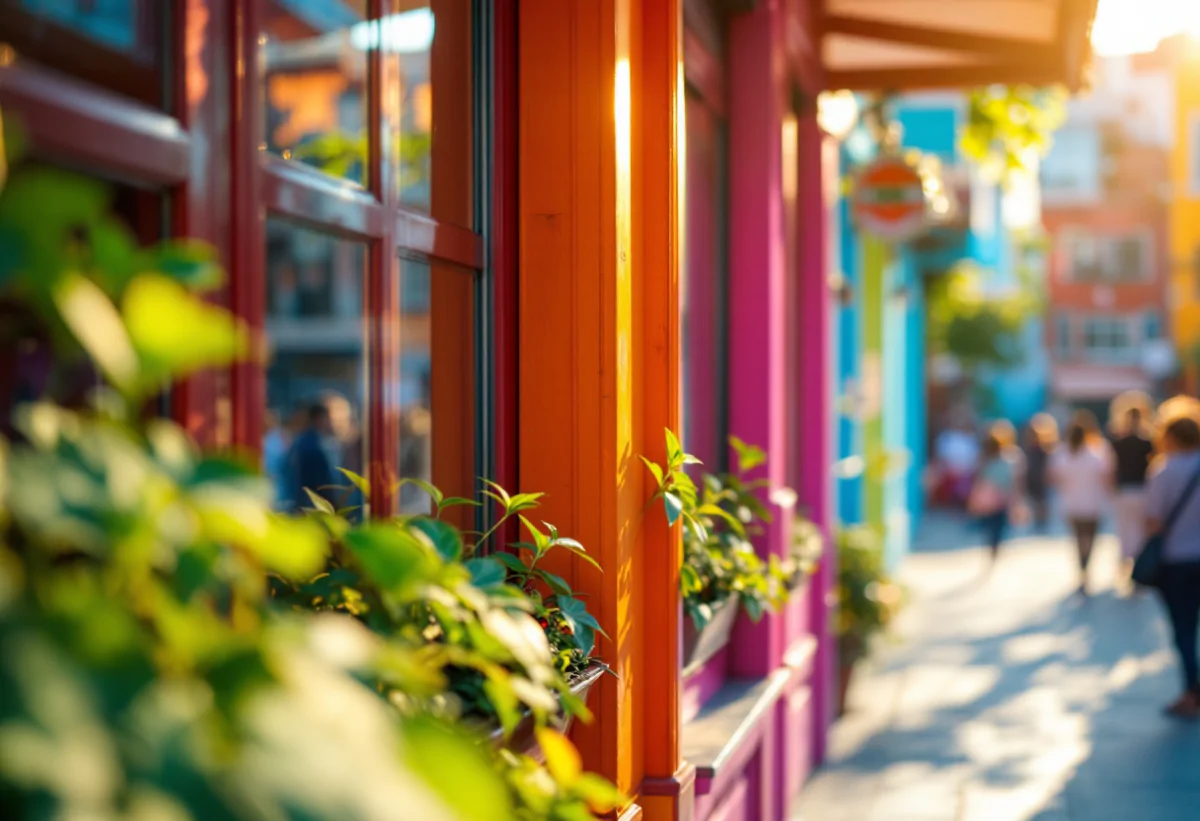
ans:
(757, 366)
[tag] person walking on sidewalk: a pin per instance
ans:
(1083, 476)
(1132, 450)
(1171, 493)
(1041, 437)
(993, 491)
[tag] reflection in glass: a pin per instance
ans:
(702, 303)
(316, 376)
(435, 390)
(416, 387)
(316, 80)
(114, 44)
(427, 58)
(113, 23)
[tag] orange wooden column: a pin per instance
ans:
(600, 82)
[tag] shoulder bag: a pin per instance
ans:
(1150, 564)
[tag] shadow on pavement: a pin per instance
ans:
(1054, 717)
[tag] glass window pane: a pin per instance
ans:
(436, 384)
(427, 51)
(1129, 258)
(700, 290)
(317, 364)
(116, 44)
(316, 83)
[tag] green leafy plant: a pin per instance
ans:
(1009, 126)
(868, 599)
(977, 328)
(491, 680)
(571, 794)
(145, 668)
(720, 519)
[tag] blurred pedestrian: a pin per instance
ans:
(276, 443)
(993, 491)
(956, 452)
(1006, 433)
(1173, 506)
(308, 465)
(1082, 474)
(1041, 437)
(1132, 451)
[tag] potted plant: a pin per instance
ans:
(867, 599)
(551, 674)
(722, 573)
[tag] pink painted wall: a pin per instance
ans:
(779, 395)
(758, 306)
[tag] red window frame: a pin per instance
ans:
(204, 155)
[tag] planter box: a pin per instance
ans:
(523, 738)
(701, 645)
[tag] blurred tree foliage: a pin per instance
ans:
(976, 327)
(1009, 126)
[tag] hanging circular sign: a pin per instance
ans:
(889, 200)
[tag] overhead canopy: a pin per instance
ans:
(914, 44)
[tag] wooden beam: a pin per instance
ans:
(936, 77)
(980, 44)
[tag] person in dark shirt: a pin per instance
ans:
(307, 463)
(1133, 449)
(1041, 437)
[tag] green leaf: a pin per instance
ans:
(689, 580)
(191, 263)
(445, 537)
(294, 548)
(94, 321)
(486, 572)
(523, 501)
(498, 493)
(562, 759)
(392, 557)
(176, 333)
(540, 539)
(320, 503)
(583, 624)
(600, 793)
(654, 469)
(749, 456)
(363, 484)
(576, 548)
(510, 561)
(457, 501)
(674, 450)
(673, 505)
(433, 492)
(556, 583)
(446, 759)
(502, 699)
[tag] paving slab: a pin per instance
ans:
(1003, 696)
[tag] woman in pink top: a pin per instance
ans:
(1081, 471)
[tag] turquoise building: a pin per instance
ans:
(884, 424)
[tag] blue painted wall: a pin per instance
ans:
(849, 354)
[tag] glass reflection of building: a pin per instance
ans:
(315, 113)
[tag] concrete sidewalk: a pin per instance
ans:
(1002, 697)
